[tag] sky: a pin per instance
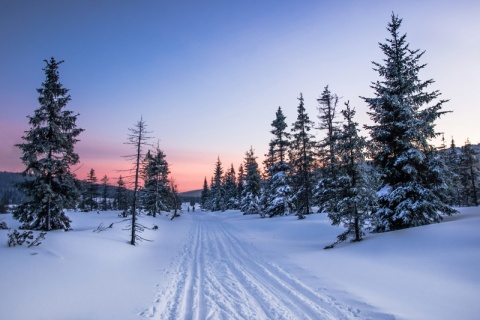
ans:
(208, 76)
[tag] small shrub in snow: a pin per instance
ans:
(17, 239)
(3, 225)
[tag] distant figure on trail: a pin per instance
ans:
(188, 209)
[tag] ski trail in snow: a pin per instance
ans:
(219, 276)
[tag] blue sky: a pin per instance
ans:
(208, 76)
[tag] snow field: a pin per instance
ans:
(226, 265)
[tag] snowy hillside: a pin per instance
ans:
(226, 265)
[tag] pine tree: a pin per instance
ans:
(278, 193)
(352, 198)
(327, 174)
(121, 196)
(452, 160)
(156, 182)
(301, 158)
(240, 183)
(205, 195)
(217, 191)
(230, 187)
(91, 192)
(469, 174)
(48, 153)
(250, 202)
(327, 105)
(412, 192)
(105, 193)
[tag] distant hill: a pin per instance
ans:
(192, 193)
(188, 196)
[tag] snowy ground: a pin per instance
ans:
(206, 265)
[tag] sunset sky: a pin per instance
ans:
(208, 76)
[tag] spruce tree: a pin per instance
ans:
(412, 193)
(230, 187)
(250, 202)
(121, 196)
(91, 192)
(327, 105)
(205, 195)
(351, 197)
(278, 192)
(301, 158)
(156, 182)
(217, 191)
(469, 174)
(240, 183)
(48, 153)
(327, 173)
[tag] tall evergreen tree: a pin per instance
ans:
(301, 158)
(327, 157)
(250, 202)
(156, 182)
(48, 153)
(412, 193)
(205, 194)
(454, 178)
(327, 105)
(217, 191)
(240, 183)
(352, 198)
(278, 192)
(469, 174)
(230, 187)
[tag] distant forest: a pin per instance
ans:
(9, 193)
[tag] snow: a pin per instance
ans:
(226, 265)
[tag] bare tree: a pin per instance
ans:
(137, 138)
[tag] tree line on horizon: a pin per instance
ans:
(392, 180)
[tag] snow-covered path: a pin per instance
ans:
(219, 276)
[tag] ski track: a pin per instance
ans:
(219, 276)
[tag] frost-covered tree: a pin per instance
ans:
(327, 105)
(205, 195)
(278, 190)
(217, 190)
(327, 157)
(250, 202)
(48, 153)
(351, 197)
(240, 183)
(301, 158)
(230, 187)
(412, 192)
(452, 160)
(156, 182)
(469, 174)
